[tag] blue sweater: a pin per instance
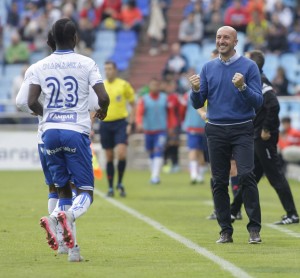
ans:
(225, 103)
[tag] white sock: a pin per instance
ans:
(74, 234)
(150, 161)
(157, 164)
(193, 169)
(80, 205)
(52, 204)
(201, 170)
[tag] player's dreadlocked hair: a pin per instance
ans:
(51, 41)
(64, 31)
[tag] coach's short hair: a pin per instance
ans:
(64, 31)
(258, 57)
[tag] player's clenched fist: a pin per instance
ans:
(195, 82)
(238, 80)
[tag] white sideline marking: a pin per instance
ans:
(283, 230)
(234, 270)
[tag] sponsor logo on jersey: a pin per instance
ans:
(58, 117)
(60, 149)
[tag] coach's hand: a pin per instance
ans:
(101, 114)
(195, 82)
(265, 135)
(238, 80)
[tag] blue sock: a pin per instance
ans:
(64, 203)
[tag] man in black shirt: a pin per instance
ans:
(266, 159)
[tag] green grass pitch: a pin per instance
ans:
(114, 244)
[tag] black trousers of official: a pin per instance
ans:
(267, 161)
(223, 142)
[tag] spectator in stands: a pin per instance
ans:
(294, 38)
(69, 11)
(198, 12)
(289, 141)
(213, 25)
(277, 36)
(256, 32)
(156, 28)
(284, 13)
(25, 30)
(256, 6)
(131, 16)
(191, 7)
(190, 30)
(88, 22)
(177, 62)
(288, 136)
(237, 16)
(109, 10)
(280, 82)
(13, 17)
(214, 6)
(17, 51)
(164, 6)
(53, 12)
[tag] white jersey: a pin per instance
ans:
(22, 100)
(64, 77)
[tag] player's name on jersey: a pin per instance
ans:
(62, 65)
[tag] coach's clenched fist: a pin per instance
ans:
(195, 82)
(238, 80)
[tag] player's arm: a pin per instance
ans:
(131, 117)
(33, 96)
(103, 100)
(140, 115)
(22, 98)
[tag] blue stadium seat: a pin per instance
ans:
(105, 39)
(129, 37)
(192, 52)
(144, 6)
(271, 65)
(241, 43)
(36, 56)
(290, 63)
(207, 49)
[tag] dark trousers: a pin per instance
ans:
(223, 142)
(266, 161)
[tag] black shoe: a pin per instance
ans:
(110, 193)
(239, 216)
(121, 190)
(286, 220)
(213, 216)
(225, 238)
(232, 218)
(254, 237)
(193, 182)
